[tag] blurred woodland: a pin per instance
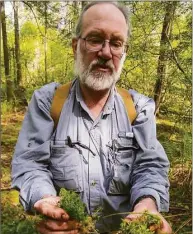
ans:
(36, 50)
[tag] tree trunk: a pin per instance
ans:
(14, 66)
(163, 54)
(45, 43)
(9, 87)
(17, 44)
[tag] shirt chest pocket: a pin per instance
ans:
(66, 167)
(123, 153)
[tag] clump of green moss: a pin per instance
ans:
(146, 224)
(72, 204)
(15, 221)
(75, 208)
(27, 226)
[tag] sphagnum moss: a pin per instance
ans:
(75, 208)
(145, 224)
(72, 204)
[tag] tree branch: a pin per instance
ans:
(176, 61)
(30, 6)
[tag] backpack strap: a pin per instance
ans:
(61, 95)
(58, 101)
(129, 104)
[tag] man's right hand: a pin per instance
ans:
(58, 220)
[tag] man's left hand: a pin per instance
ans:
(149, 205)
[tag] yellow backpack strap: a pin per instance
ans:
(60, 96)
(129, 104)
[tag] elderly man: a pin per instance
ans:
(112, 163)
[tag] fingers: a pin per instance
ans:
(60, 225)
(133, 216)
(53, 212)
(44, 230)
(166, 229)
(49, 207)
(57, 227)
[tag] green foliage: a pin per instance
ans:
(29, 30)
(88, 226)
(27, 227)
(187, 146)
(72, 204)
(6, 107)
(146, 224)
(9, 227)
(140, 69)
(15, 221)
(178, 147)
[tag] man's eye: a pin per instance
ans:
(95, 40)
(116, 44)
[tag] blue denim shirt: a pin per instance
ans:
(108, 161)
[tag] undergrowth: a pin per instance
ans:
(15, 221)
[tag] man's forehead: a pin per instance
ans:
(101, 13)
(100, 9)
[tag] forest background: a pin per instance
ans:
(36, 50)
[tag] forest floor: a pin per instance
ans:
(180, 214)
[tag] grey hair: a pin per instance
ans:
(119, 6)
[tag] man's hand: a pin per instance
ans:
(58, 221)
(149, 205)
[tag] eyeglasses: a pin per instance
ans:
(95, 44)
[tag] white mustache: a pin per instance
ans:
(108, 64)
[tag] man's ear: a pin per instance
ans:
(74, 46)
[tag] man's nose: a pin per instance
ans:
(105, 52)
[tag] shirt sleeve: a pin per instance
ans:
(150, 169)
(30, 174)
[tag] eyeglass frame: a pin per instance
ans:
(125, 46)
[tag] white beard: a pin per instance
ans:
(96, 80)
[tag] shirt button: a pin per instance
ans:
(93, 183)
